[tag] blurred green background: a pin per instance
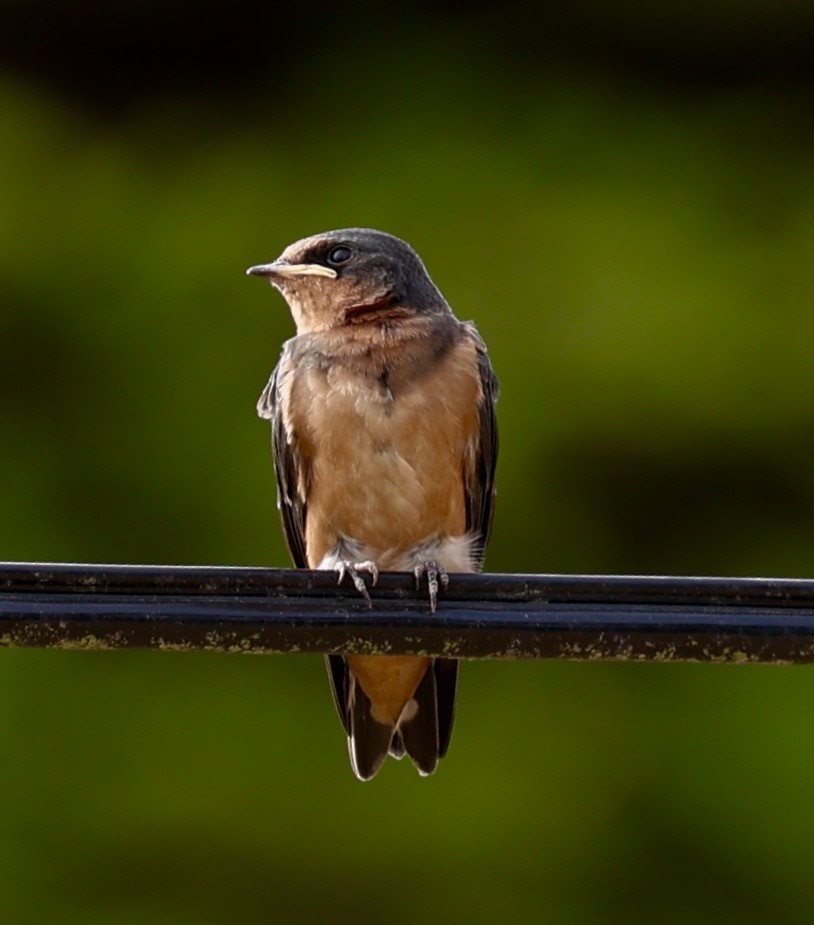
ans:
(621, 196)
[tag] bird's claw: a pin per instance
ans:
(344, 567)
(435, 574)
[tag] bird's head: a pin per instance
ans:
(352, 276)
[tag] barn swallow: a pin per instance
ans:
(382, 412)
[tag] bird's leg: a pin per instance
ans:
(345, 567)
(435, 573)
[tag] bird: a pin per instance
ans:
(384, 435)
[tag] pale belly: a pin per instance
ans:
(387, 474)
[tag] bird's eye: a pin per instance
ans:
(340, 254)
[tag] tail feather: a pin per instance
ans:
(397, 746)
(368, 739)
(446, 686)
(338, 676)
(424, 727)
(418, 726)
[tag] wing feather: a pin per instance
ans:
(292, 477)
(479, 471)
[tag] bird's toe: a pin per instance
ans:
(437, 577)
(352, 570)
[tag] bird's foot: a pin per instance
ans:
(344, 567)
(435, 573)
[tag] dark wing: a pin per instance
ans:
(446, 683)
(339, 676)
(479, 474)
(287, 465)
(293, 510)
